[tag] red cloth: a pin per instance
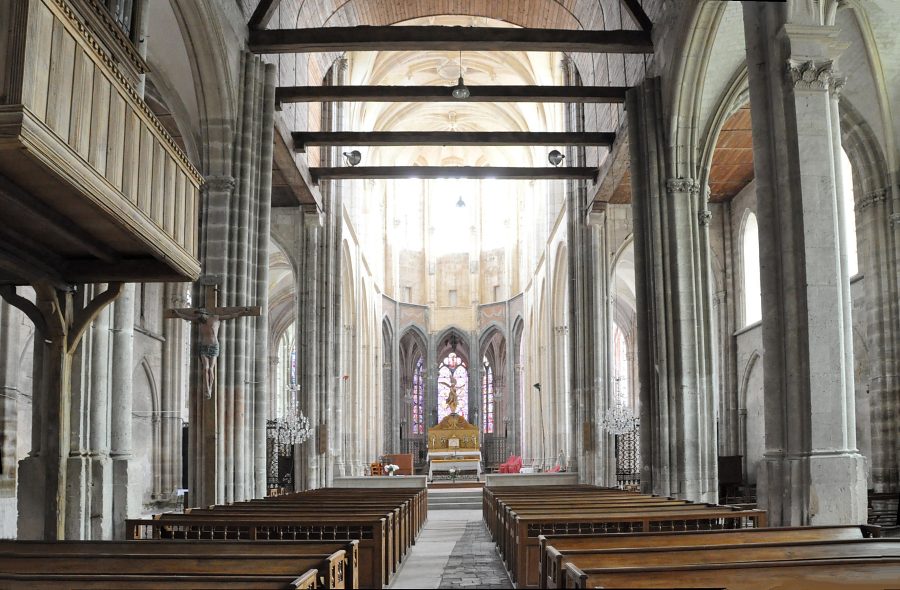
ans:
(512, 465)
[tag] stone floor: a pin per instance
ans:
(454, 550)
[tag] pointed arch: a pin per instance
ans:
(750, 293)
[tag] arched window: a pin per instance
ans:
(487, 397)
(418, 398)
(286, 377)
(849, 214)
(750, 260)
(453, 367)
(620, 366)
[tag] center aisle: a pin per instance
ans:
(454, 550)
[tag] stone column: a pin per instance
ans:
(206, 482)
(678, 429)
(883, 315)
(599, 453)
(9, 394)
(173, 382)
(126, 494)
(309, 346)
(261, 287)
(812, 472)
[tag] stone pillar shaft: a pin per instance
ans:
(811, 473)
(125, 498)
(677, 412)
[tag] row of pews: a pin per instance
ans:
(327, 538)
(591, 537)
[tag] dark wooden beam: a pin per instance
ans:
(480, 138)
(263, 13)
(425, 38)
(637, 13)
(599, 94)
(475, 172)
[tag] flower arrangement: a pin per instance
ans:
(391, 469)
(453, 473)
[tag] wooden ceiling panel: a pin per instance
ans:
(732, 163)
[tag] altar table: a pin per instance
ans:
(461, 464)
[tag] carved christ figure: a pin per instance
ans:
(452, 397)
(208, 328)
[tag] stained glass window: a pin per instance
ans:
(418, 398)
(453, 371)
(487, 397)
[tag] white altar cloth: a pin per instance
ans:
(460, 464)
(453, 454)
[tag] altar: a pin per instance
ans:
(443, 463)
(453, 448)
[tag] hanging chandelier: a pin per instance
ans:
(294, 428)
(618, 419)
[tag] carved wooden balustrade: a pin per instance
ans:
(92, 188)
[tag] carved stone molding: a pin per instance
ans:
(871, 198)
(218, 184)
(837, 86)
(895, 219)
(704, 217)
(682, 185)
(809, 75)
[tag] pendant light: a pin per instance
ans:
(460, 92)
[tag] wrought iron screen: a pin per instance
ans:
(416, 448)
(495, 452)
(628, 458)
(279, 460)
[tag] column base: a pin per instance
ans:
(126, 495)
(815, 489)
(31, 499)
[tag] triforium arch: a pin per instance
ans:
(493, 389)
(412, 372)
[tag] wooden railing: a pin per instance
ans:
(76, 136)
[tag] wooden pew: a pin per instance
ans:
(556, 549)
(368, 531)
(731, 554)
(118, 581)
(525, 558)
(348, 576)
(392, 530)
(188, 564)
(384, 521)
(521, 515)
(819, 574)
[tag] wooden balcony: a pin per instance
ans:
(92, 188)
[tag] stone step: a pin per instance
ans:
(444, 498)
(456, 506)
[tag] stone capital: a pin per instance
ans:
(312, 217)
(682, 185)
(895, 219)
(219, 184)
(810, 75)
(837, 85)
(704, 217)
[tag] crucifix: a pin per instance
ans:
(207, 319)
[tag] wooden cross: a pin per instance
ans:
(207, 319)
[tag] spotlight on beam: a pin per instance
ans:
(353, 158)
(555, 157)
(537, 386)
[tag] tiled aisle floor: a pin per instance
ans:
(454, 550)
